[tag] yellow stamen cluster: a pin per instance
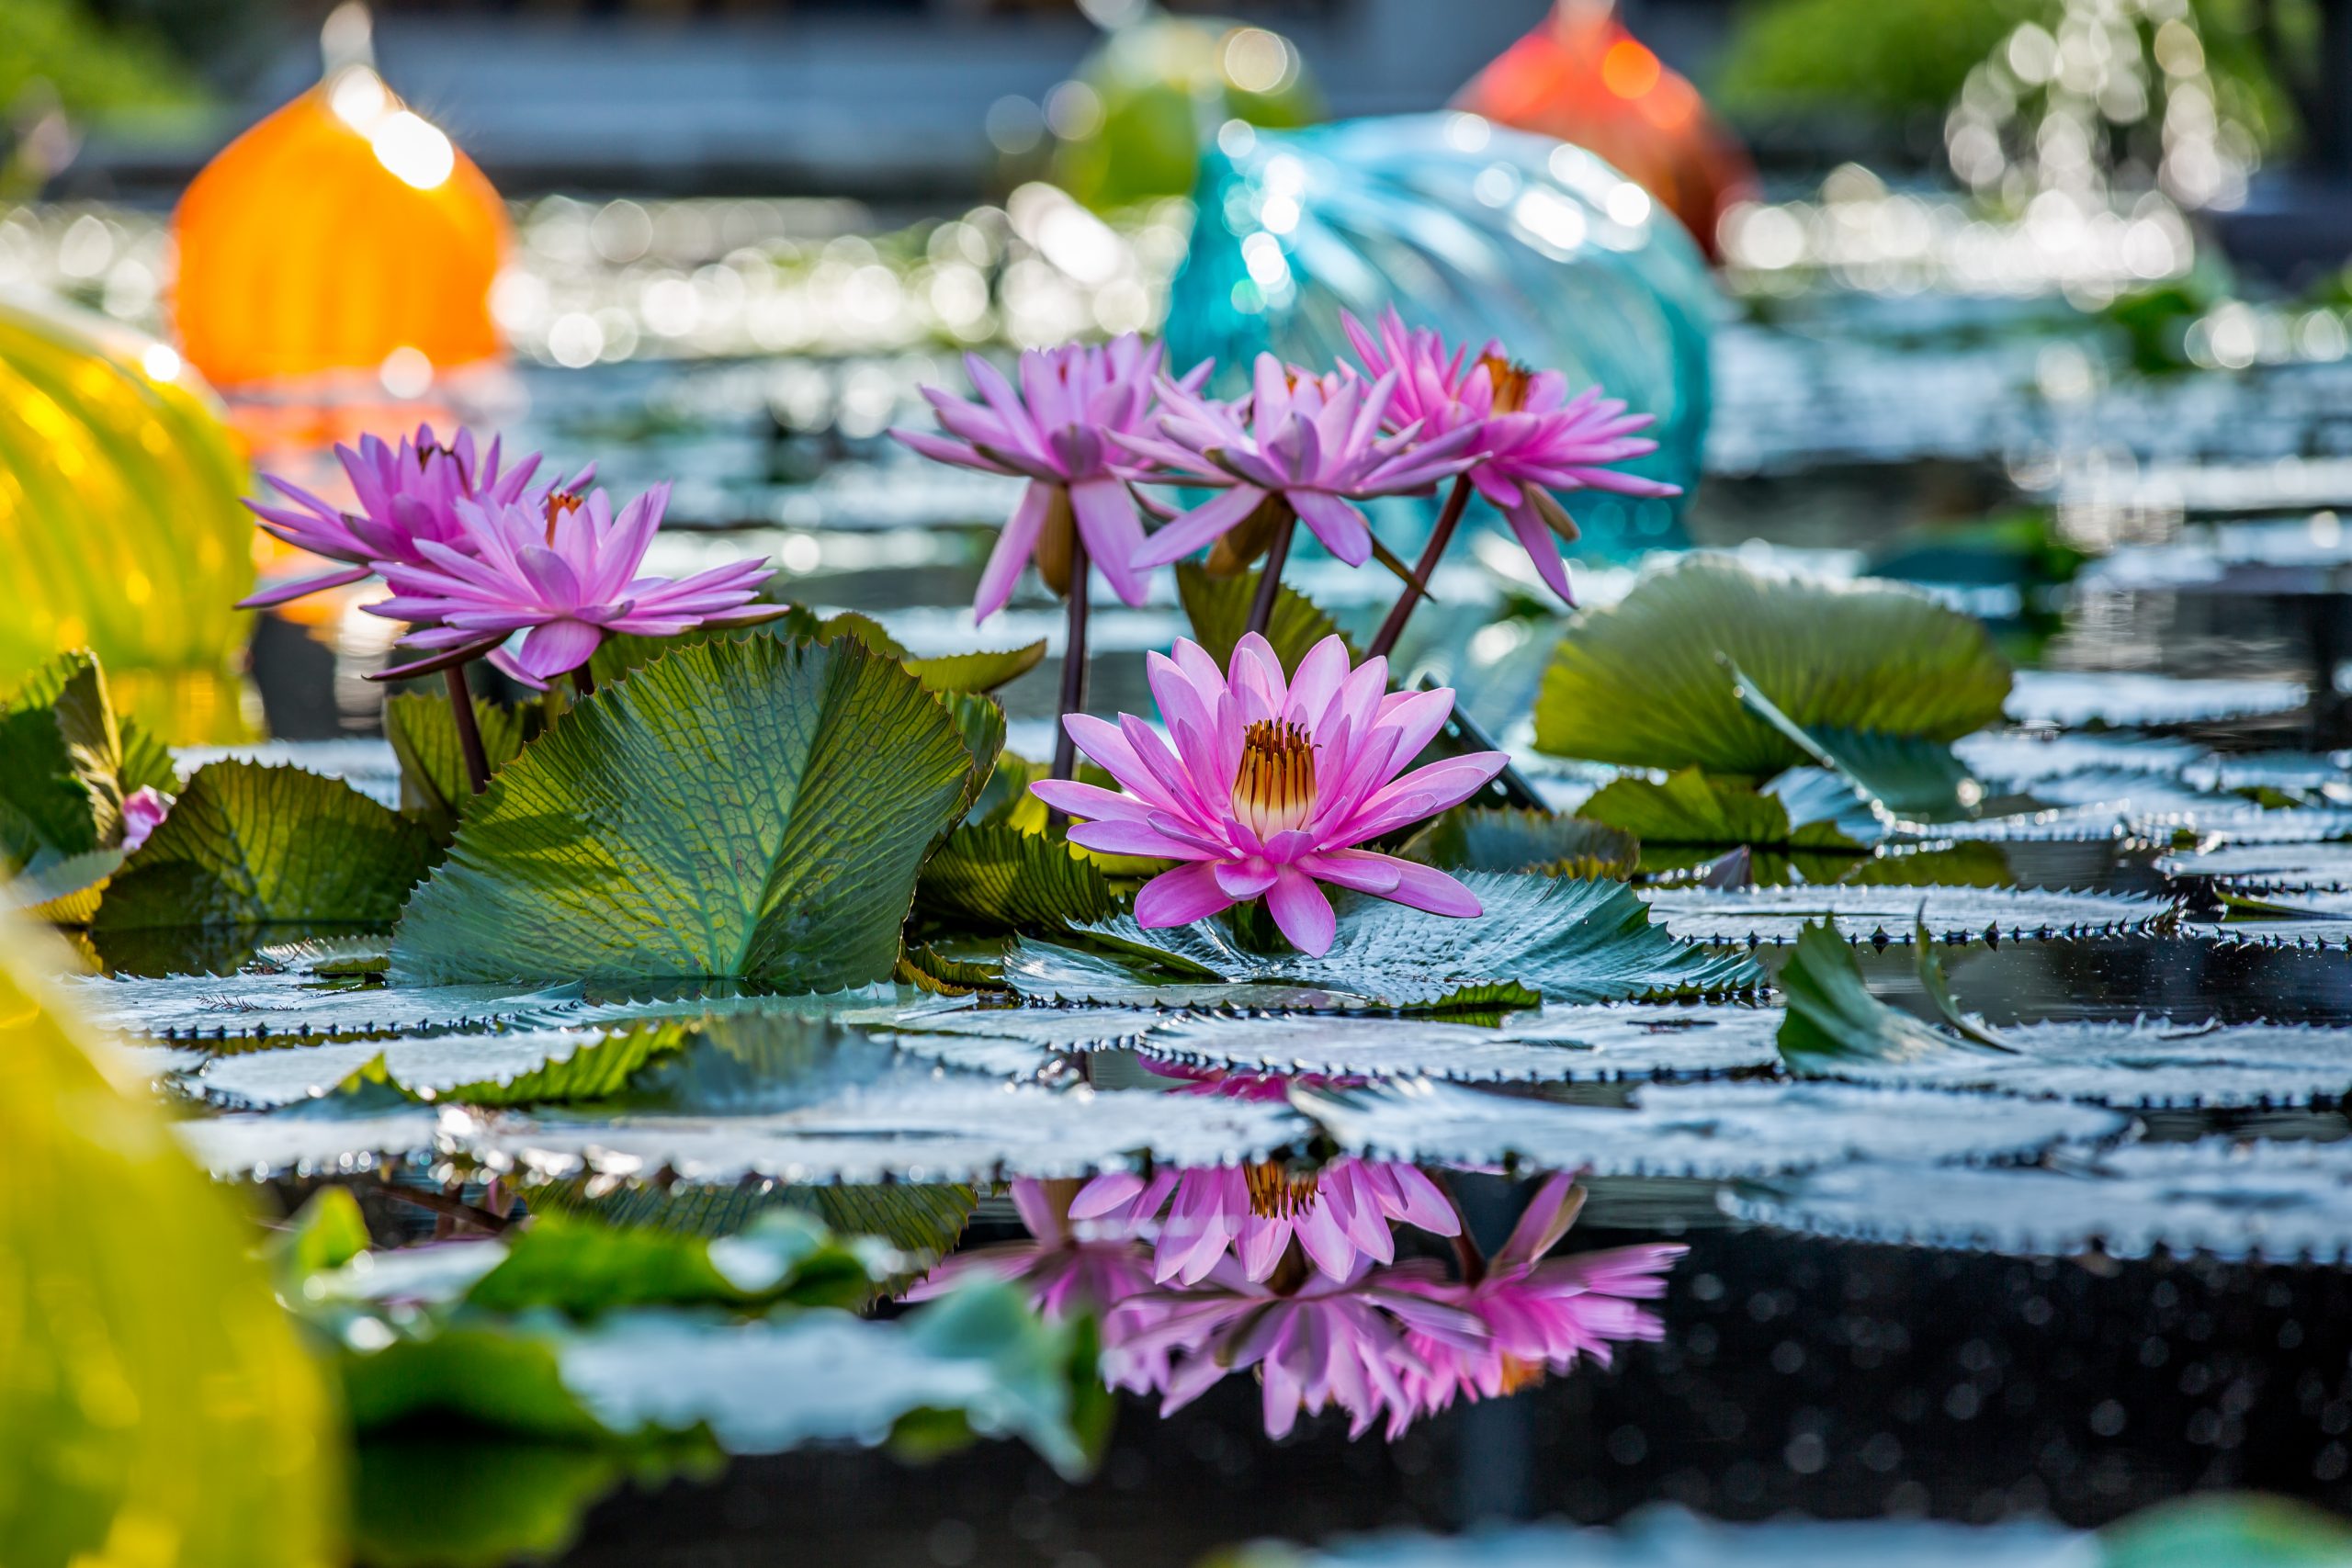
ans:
(1275, 1192)
(1518, 1374)
(1274, 790)
(1510, 381)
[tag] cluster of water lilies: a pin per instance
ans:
(1265, 782)
(1199, 1273)
(476, 553)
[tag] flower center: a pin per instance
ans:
(1518, 1374)
(1509, 381)
(1276, 1192)
(560, 505)
(1274, 791)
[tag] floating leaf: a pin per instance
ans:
(1641, 682)
(755, 809)
(923, 1221)
(2269, 867)
(63, 890)
(1716, 1131)
(530, 1068)
(1560, 1045)
(2281, 1202)
(247, 846)
(1218, 609)
(2012, 761)
(252, 1006)
(996, 878)
(907, 1123)
(1509, 839)
(1888, 914)
(2069, 824)
(2079, 699)
(256, 1146)
(494, 1502)
(2252, 1531)
(1540, 939)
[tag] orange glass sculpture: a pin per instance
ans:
(341, 232)
(1583, 78)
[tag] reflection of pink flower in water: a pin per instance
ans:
(1540, 1316)
(1339, 1341)
(1338, 1214)
(1068, 1267)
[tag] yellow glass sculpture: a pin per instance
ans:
(120, 527)
(343, 233)
(155, 1405)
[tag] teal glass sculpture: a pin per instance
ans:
(1477, 231)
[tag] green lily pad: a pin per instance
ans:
(1540, 939)
(1489, 838)
(1692, 811)
(251, 847)
(755, 810)
(1643, 682)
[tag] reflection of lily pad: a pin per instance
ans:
(1539, 939)
(2279, 1200)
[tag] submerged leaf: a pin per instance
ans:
(1540, 938)
(755, 809)
(1642, 683)
(248, 846)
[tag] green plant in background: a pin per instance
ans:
(155, 1405)
(1129, 126)
(89, 67)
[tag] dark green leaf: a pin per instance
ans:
(1641, 682)
(61, 764)
(755, 810)
(1834, 1027)
(248, 846)
(1485, 837)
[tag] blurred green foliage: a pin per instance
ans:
(88, 67)
(1891, 61)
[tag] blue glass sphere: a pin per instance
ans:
(1479, 231)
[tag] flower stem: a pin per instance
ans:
(1466, 1255)
(1073, 665)
(1270, 579)
(461, 710)
(1439, 537)
(582, 683)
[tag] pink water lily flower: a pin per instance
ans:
(405, 494)
(566, 572)
(1068, 1266)
(1338, 1214)
(1541, 1315)
(1529, 437)
(1313, 441)
(1269, 785)
(1060, 431)
(143, 810)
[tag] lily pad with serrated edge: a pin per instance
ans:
(1887, 914)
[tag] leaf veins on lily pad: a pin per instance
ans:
(735, 808)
